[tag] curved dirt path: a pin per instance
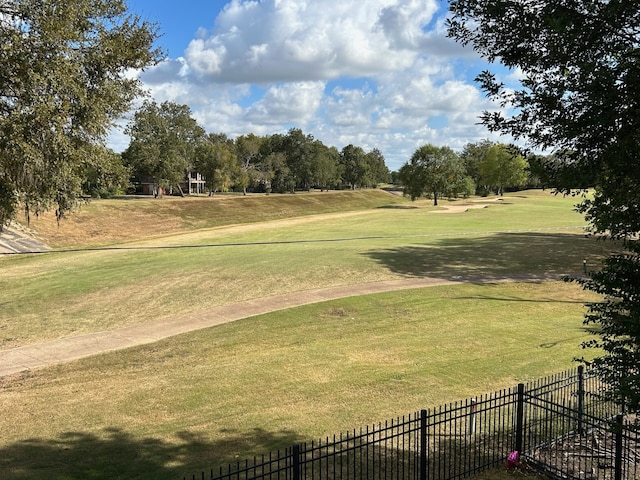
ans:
(29, 357)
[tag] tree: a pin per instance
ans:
(378, 170)
(63, 84)
(433, 170)
(580, 66)
(282, 180)
(494, 166)
(472, 156)
(248, 152)
(502, 167)
(216, 160)
(163, 142)
(355, 168)
(300, 159)
(325, 165)
(109, 176)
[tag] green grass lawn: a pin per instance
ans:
(190, 402)
(255, 385)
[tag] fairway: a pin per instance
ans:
(72, 293)
(189, 402)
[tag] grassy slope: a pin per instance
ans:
(105, 222)
(177, 406)
(259, 384)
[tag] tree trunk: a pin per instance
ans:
(435, 199)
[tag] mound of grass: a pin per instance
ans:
(108, 221)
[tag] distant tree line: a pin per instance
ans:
(480, 168)
(167, 145)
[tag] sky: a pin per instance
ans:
(376, 73)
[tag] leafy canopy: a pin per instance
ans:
(63, 83)
(579, 96)
(433, 170)
(164, 139)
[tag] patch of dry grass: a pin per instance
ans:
(104, 222)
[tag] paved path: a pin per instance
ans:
(17, 239)
(63, 350)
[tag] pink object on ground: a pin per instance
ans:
(512, 460)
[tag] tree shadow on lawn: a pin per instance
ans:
(115, 454)
(518, 299)
(496, 256)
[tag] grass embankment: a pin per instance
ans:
(180, 405)
(105, 222)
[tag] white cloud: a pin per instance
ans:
(290, 103)
(290, 40)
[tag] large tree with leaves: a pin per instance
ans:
(249, 154)
(63, 83)
(378, 171)
(503, 166)
(579, 96)
(354, 166)
(433, 171)
(216, 159)
(164, 139)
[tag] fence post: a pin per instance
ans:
(423, 445)
(296, 462)
(520, 418)
(618, 464)
(580, 399)
(472, 417)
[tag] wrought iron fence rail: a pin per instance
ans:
(549, 421)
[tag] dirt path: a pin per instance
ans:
(26, 358)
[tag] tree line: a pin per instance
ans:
(167, 143)
(480, 168)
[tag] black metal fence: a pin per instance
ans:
(560, 425)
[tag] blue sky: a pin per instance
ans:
(377, 74)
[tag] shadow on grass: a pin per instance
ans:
(497, 255)
(115, 454)
(399, 207)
